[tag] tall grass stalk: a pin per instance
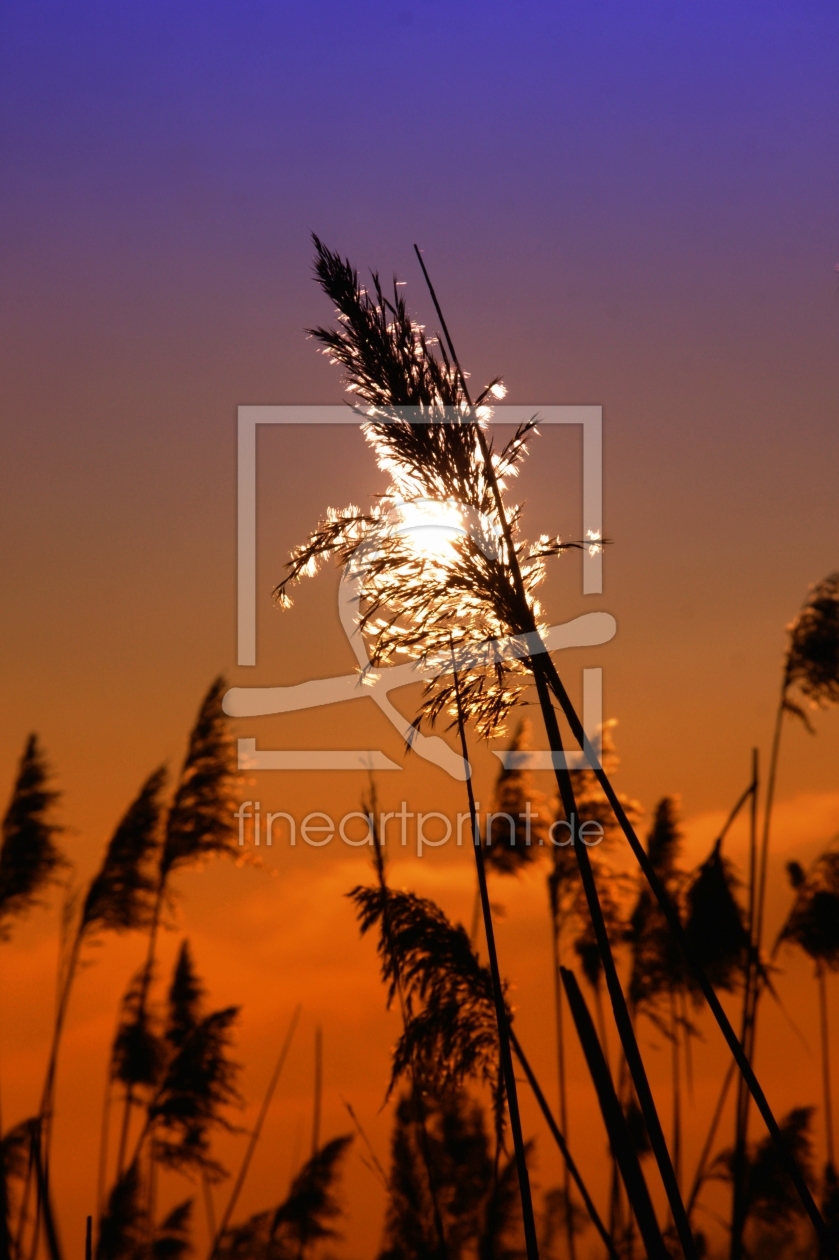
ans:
(569, 1163)
(509, 1076)
(241, 1176)
(614, 1120)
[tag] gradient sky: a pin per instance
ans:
(634, 206)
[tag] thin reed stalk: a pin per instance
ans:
(561, 1071)
(255, 1136)
(508, 1073)
(417, 1093)
(318, 1088)
(707, 1146)
(543, 678)
(569, 1163)
(825, 1047)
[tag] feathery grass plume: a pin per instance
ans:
(200, 823)
(29, 856)
(303, 1220)
(714, 922)
(126, 1231)
(450, 1032)
(773, 1209)
(123, 1229)
(137, 1052)
(813, 921)
(464, 1170)
(420, 598)
(119, 898)
(813, 925)
(171, 1238)
(198, 1080)
(812, 662)
(15, 1156)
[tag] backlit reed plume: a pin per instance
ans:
(303, 1220)
(30, 859)
(430, 556)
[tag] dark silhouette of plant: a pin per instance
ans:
(502, 1237)
(198, 1080)
(118, 899)
(811, 669)
(30, 859)
(772, 1206)
(126, 1231)
(15, 1159)
(189, 1080)
(450, 1032)
(463, 1167)
(29, 862)
(198, 825)
(812, 663)
(714, 921)
(458, 612)
(657, 963)
(813, 925)
(570, 917)
(303, 1219)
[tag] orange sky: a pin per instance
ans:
(628, 206)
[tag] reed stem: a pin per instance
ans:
(508, 1074)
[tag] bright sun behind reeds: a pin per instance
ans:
(430, 526)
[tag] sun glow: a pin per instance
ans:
(430, 526)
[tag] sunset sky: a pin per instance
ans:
(628, 206)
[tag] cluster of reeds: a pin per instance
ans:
(459, 608)
(634, 947)
(171, 1079)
